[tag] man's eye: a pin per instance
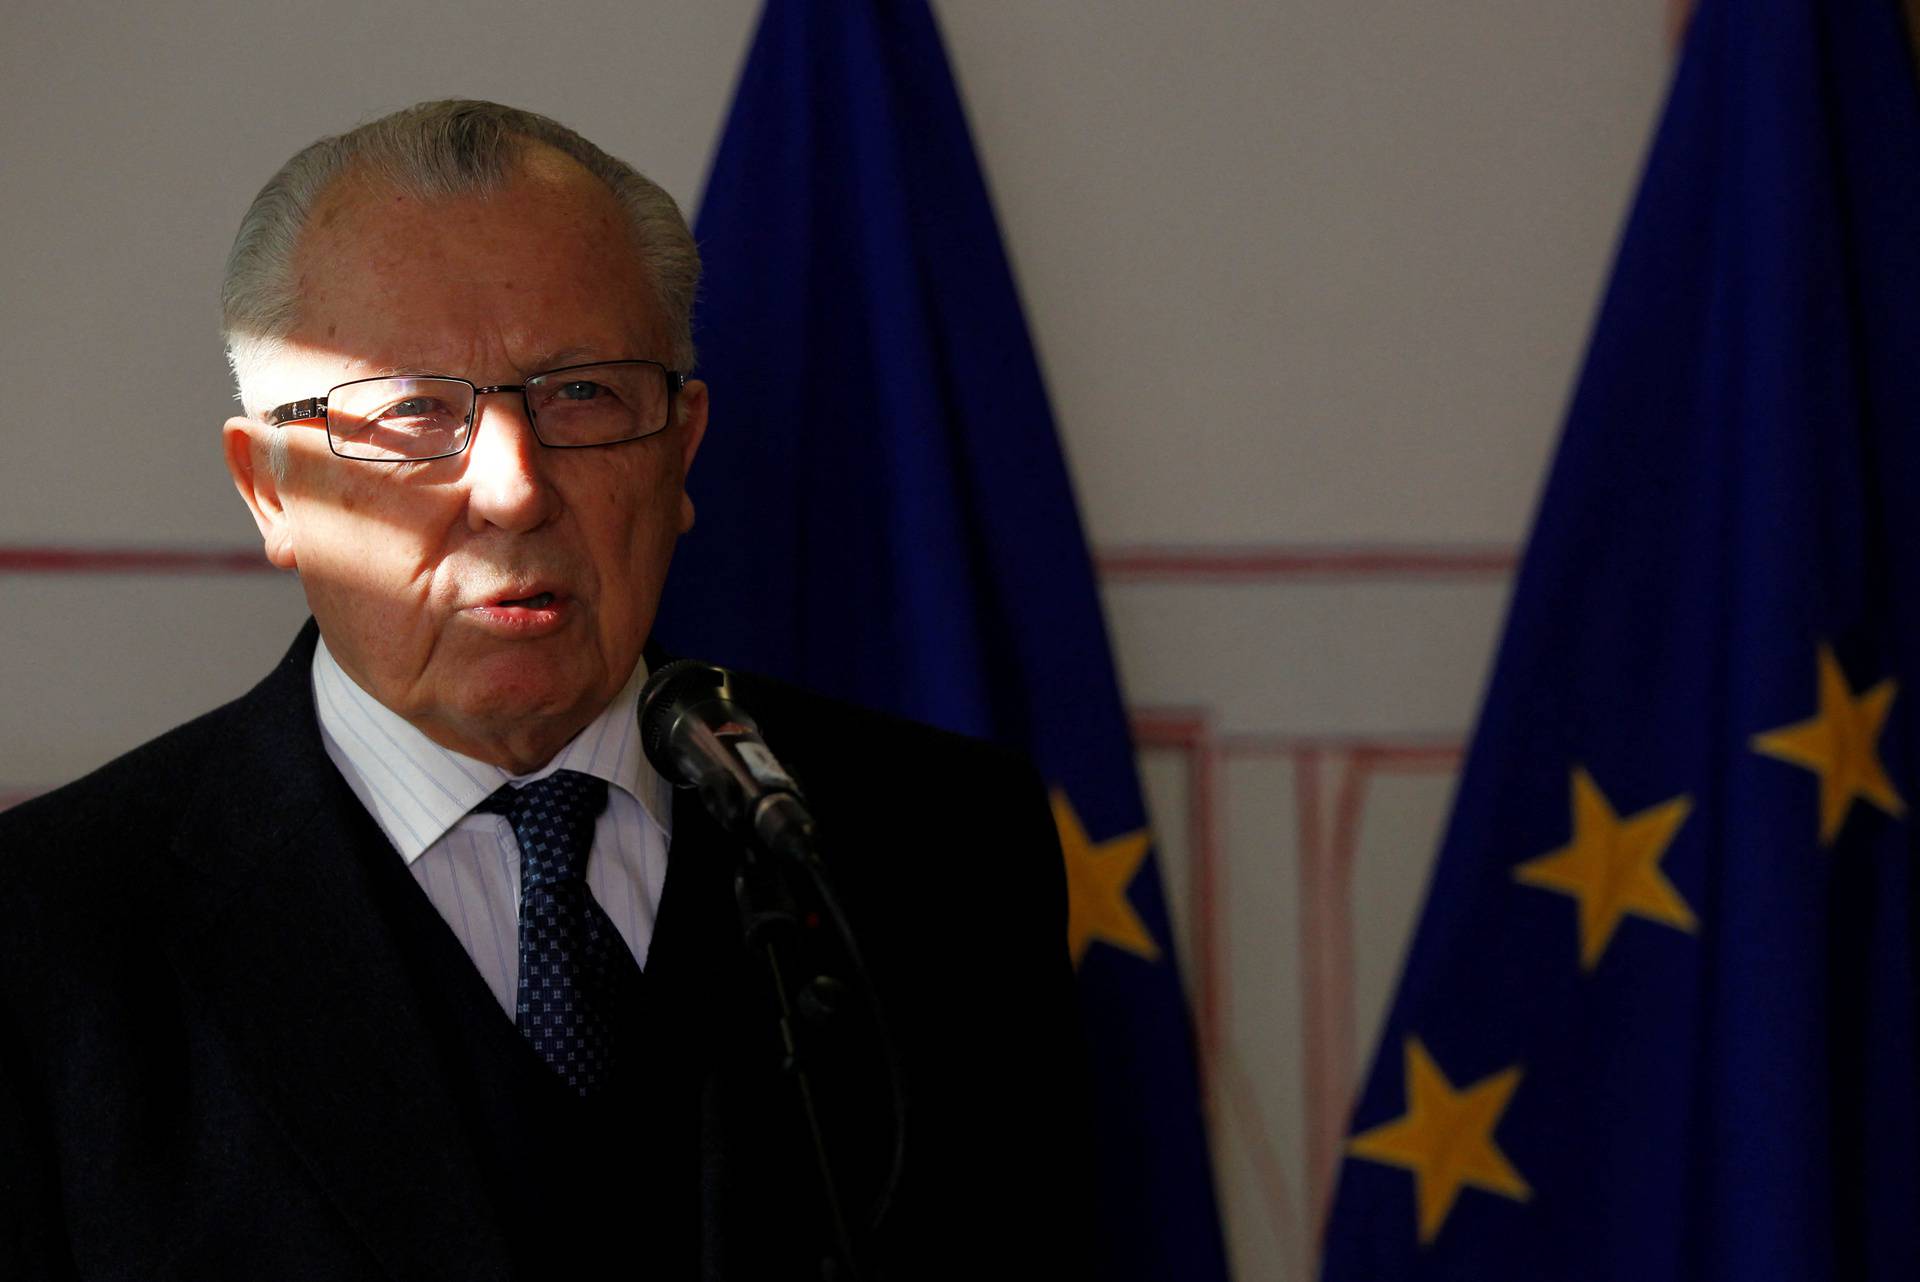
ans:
(580, 390)
(412, 407)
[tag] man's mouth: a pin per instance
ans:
(524, 618)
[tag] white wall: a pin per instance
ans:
(1306, 275)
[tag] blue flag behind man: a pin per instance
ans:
(886, 516)
(1658, 1021)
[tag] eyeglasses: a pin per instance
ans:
(409, 418)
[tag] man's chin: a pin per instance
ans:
(515, 700)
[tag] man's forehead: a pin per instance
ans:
(357, 217)
(539, 272)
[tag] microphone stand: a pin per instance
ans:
(770, 925)
(696, 736)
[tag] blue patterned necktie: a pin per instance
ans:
(575, 971)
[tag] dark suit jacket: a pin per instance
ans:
(224, 1050)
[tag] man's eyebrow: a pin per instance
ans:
(562, 357)
(416, 368)
(556, 359)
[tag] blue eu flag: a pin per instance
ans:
(1658, 1019)
(884, 515)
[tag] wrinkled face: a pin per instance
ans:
(497, 599)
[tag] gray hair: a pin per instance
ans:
(432, 150)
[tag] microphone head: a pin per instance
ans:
(669, 690)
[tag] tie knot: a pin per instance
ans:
(553, 821)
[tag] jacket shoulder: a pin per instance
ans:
(137, 799)
(839, 737)
(885, 786)
(129, 803)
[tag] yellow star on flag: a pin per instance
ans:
(1446, 1139)
(1839, 745)
(1097, 880)
(1612, 867)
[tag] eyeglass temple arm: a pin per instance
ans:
(297, 411)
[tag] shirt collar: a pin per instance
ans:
(417, 790)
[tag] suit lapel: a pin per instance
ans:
(278, 933)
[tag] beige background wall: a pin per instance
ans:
(1309, 279)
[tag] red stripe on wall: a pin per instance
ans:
(1256, 563)
(1144, 563)
(132, 560)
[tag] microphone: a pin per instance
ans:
(697, 737)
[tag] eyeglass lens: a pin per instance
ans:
(388, 419)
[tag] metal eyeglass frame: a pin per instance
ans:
(315, 407)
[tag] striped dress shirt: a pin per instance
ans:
(422, 795)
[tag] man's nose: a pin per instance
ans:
(507, 485)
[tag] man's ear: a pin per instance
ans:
(246, 449)
(693, 421)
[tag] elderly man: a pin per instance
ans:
(407, 965)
